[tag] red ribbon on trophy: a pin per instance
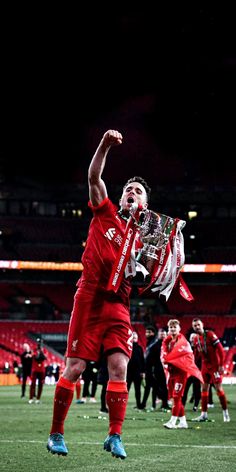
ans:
(124, 253)
(123, 256)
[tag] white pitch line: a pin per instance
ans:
(89, 443)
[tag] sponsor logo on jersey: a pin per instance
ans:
(110, 233)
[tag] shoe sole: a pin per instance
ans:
(55, 452)
(107, 448)
(200, 421)
(118, 456)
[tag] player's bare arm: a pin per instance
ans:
(97, 187)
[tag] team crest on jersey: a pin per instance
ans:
(110, 233)
(74, 345)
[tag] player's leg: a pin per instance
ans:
(178, 407)
(32, 387)
(223, 401)
(204, 396)
(40, 377)
(63, 397)
(116, 399)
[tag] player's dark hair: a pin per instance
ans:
(142, 182)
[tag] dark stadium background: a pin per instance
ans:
(163, 76)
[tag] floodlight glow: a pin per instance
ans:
(192, 214)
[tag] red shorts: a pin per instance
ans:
(176, 385)
(211, 375)
(95, 322)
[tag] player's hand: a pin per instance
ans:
(112, 138)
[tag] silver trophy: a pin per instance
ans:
(155, 230)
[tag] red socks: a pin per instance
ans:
(178, 408)
(222, 398)
(62, 400)
(116, 399)
(204, 401)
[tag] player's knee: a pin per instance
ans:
(118, 372)
(74, 369)
(117, 366)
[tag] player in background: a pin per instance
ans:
(212, 353)
(176, 352)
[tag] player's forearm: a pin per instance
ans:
(98, 162)
(97, 187)
(110, 138)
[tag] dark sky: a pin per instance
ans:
(164, 77)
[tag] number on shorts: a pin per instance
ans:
(178, 386)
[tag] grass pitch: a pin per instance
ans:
(208, 447)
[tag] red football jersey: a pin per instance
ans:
(105, 236)
(211, 349)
